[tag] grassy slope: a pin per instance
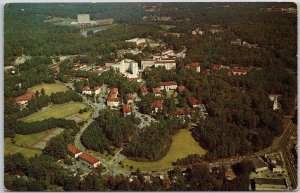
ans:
(183, 144)
(49, 88)
(23, 144)
(56, 111)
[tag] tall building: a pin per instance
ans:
(83, 18)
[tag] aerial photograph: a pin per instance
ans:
(150, 96)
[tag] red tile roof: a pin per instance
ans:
(194, 65)
(111, 98)
(193, 101)
(144, 89)
(126, 108)
(86, 88)
(156, 90)
(157, 104)
(169, 83)
(25, 97)
(73, 149)
(181, 88)
(216, 66)
(239, 70)
(114, 91)
(90, 159)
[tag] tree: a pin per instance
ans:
(56, 147)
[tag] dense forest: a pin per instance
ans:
(111, 128)
(155, 140)
(240, 117)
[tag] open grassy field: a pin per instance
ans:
(49, 88)
(183, 144)
(85, 116)
(56, 111)
(23, 143)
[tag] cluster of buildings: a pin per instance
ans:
(91, 91)
(90, 160)
(270, 173)
(113, 100)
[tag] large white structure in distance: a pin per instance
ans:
(83, 18)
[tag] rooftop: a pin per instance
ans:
(157, 104)
(156, 90)
(25, 97)
(90, 159)
(73, 149)
(126, 108)
(181, 88)
(193, 101)
(169, 83)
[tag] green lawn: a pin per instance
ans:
(170, 93)
(183, 144)
(85, 116)
(56, 111)
(23, 144)
(49, 88)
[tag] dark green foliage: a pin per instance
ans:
(154, 142)
(190, 159)
(110, 128)
(26, 128)
(56, 147)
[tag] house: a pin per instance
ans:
(126, 109)
(194, 65)
(127, 67)
(137, 41)
(78, 78)
(73, 150)
(129, 98)
(274, 99)
(236, 42)
(207, 72)
(239, 71)
(269, 184)
(184, 113)
(90, 160)
(144, 90)
(180, 89)
(260, 165)
(229, 174)
(277, 169)
(156, 92)
(166, 62)
(156, 106)
(97, 90)
(147, 63)
(168, 52)
(113, 100)
(219, 67)
(193, 102)
(24, 98)
(170, 85)
(87, 90)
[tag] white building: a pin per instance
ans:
(147, 63)
(167, 63)
(127, 67)
(137, 41)
(274, 98)
(171, 85)
(83, 18)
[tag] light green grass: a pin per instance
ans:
(183, 145)
(13, 148)
(171, 94)
(85, 116)
(56, 111)
(49, 88)
(23, 143)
